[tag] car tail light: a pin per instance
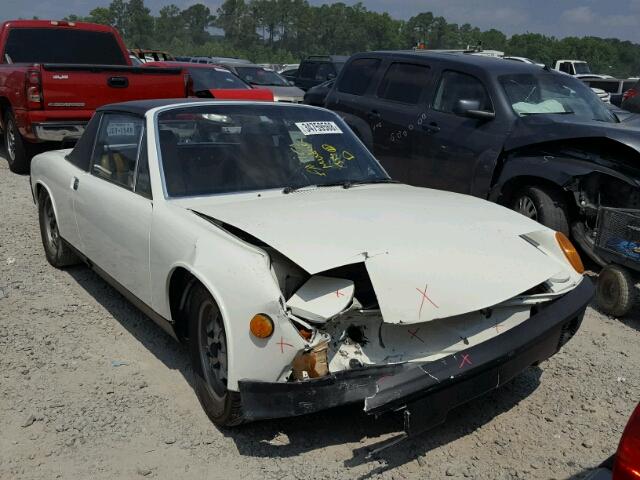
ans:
(627, 462)
(632, 92)
(34, 89)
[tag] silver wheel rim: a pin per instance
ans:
(526, 207)
(51, 226)
(11, 140)
(213, 348)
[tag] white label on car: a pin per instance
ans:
(318, 128)
(127, 129)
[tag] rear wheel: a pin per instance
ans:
(543, 204)
(615, 291)
(208, 350)
(56, 250)
(19, 152)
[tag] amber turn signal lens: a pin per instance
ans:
(261, 326)
(570, 252)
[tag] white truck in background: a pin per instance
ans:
(577, 68)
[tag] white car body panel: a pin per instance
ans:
(467, 252)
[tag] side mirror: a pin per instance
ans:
(471, 109)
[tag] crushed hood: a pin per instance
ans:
(429, 254)
(536, 129)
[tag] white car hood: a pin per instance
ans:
(429, 254)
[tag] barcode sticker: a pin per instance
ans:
(318, 128)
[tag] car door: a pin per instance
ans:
(113, 204)
(396, 116)
(454, 143)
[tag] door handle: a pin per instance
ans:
(431, 128)
(74, 183)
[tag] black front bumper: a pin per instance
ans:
(427, 391)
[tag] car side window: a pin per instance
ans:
(116, 149)
(80, 156)
(357, 76)
(565, 67)
(456, 86)
(404, 82)
(308, 70)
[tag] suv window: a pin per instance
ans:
(358, 75)
(323, 72)
(456, 86)
(308, 70)
(117, 147)
(404, 82)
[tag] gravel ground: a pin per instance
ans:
(90, 388)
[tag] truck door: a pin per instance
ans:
(455, 144)
(396, 115)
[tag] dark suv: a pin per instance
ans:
(538, 141)
(317, 69)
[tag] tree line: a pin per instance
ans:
(284, 31)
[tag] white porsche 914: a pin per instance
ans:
(300, 276)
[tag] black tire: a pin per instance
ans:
(543, 204)
(19, 152)
(56, 250)
(615, 291)
(207, 349)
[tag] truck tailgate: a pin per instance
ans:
(87, 87)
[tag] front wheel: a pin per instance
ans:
(544, 205)
(209, 359)
(615, 291)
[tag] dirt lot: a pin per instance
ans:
(90, 388)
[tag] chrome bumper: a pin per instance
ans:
(58, 131)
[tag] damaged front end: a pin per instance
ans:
(423, 368)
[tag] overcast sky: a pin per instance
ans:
(603, 18)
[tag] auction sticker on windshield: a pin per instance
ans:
(318, 128)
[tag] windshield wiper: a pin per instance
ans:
(290, 189)
(352, 183)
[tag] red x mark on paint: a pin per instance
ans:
(414, 334)
(465, 360)
(424, 297)
(282, 343)
(339, 293)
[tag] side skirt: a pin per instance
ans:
(162, 322)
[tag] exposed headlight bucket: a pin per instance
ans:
(570, 252)
(261, 326)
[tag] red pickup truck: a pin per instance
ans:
(54, 74)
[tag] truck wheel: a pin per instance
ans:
(208, 351)
(57, 252)
(19, 152)
(544, 205)
(615, 291)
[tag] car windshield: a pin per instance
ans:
(214, 149)
(582, 68)
(205, 78)
(261, 76)
(548, 93)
